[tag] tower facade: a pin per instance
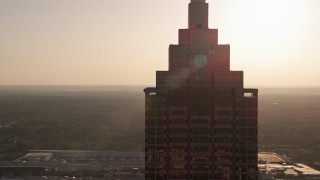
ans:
(200, 121)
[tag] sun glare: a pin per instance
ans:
(270, 24)
(271, 20)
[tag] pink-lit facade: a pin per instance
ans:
(200, 121)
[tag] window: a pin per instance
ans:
(157, 140)
(200, 119)
(177, 121)
(223, 122)
(200, 140)
(155, 122)
(223, 149)
(178, 111)
(200, 167)
(199, 25)
(178, 158)
(197, 131)
(178, 166)
(178, 131)
(200, 158)
(248, 95)
(155, 131)
(178, 149)
(223, 112)
(200, 149)
(200, 176)
(223, 131)
(223, 140)
(223, 168)
(177, 140)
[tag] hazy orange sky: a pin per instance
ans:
(123, 42)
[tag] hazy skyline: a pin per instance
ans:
(275, 42)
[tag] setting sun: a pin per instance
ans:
(273, 35)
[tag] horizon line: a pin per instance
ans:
(146, 85)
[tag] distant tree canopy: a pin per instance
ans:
(109, 120)
(83, 121)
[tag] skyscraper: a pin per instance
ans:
(200, 121)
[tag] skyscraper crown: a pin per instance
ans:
(198, 14)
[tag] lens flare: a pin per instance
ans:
(200, 61)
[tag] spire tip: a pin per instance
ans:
(198, 1)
